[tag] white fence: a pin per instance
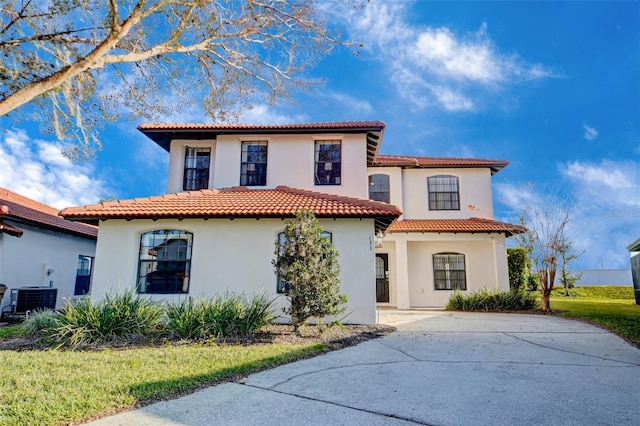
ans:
(603, 276)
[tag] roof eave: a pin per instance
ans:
(634, 246)
(164, 136)
(382, 221)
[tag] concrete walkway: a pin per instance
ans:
(439, 368)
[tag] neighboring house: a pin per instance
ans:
(634, 251)
(198, 240)
(38, 248)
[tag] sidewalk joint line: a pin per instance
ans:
(571, 352)
(363, 410)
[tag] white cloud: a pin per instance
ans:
(264, 114)
(421, 59)
(606, 212)
(610, 184)
(350, 103)
(451, 100)
(590, 133)
(37, 169)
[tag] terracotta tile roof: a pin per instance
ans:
(163, 133)
(472, 225)
(437, 162)
(271, 128)
(11, 230)
(236, 202)
(22, 209)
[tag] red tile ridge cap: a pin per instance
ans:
(245, 126)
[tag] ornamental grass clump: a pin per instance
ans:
(220, 316)
(119, 317)
(496, 300)
(40, 322)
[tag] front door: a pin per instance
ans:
(382, 277)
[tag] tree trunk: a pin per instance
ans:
(545, 304)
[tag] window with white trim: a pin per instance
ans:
(449, 271)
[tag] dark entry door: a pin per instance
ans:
(382, 277)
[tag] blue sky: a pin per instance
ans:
(552, 87)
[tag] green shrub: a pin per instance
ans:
(307, 262)
(121, 316)
(495, 300)
(40, 322)
(185, 319)
(517, 264)
(221, 316)
(533, 282)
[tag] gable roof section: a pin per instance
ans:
(22, 209)
(407, 162)
(163, 133)
(473, 225)
(237, 202)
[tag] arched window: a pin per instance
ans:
(379, 188)
(449, 271)
(444, 193)
(165, 261)
(283, 287)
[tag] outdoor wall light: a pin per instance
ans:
(379, 238)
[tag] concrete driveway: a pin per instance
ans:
(439, 368)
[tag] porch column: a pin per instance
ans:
(502, 266)
(403, 273)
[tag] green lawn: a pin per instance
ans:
(610, 306)
(55, 387)
(10, 331)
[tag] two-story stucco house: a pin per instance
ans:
(39, 251)
(230, 188)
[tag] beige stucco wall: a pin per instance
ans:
(235, 256)
(290, 161)
(409, 191)
(395, 183)
(23, 260)
(411, 269)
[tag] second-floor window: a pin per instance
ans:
(196, 168)
(444, 193)
(379, 188)
(253, 165)
(328, 162)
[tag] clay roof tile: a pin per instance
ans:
(23, 209)
(472, 225)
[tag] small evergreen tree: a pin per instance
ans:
(517, 261)
(307, 262)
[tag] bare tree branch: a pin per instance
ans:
(63, 56)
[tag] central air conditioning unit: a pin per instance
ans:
(28, 299)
